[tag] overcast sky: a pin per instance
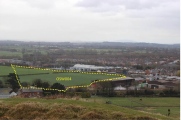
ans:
(153, 21)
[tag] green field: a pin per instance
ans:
(9, 53)
(146, 101)
(5, 70)
(76, 78)
(148, 104)
(101, 110)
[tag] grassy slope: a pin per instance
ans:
(106, 109)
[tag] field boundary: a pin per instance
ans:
(118, 76)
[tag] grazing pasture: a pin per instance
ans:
(154, 105)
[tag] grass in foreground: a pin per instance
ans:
(23, 108)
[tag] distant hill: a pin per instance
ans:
(95, 44)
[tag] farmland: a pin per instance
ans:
(80, 109)
(28, 75)
(16, 51)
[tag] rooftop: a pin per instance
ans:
(90, 66)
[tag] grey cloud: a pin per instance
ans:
(128, 4)
(168, 9)
(93, 5)
(139, 20)
(89, 3)
(41, 4)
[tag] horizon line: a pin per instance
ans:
(89, 41)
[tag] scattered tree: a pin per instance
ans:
(45, 85)
(13, 81)
(25, 84)
(1, 84)
(57, 86)
(37, 83)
